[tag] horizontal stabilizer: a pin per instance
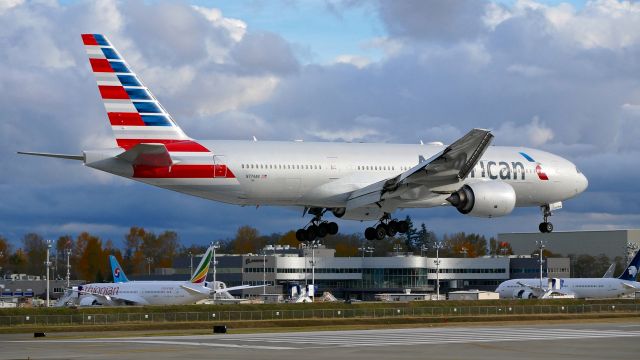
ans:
(196, 289)
(59, 156)
(148, 154)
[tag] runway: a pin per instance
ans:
(568, 341)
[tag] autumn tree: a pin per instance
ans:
(5, 252)
(289, 238)
(461, 244)
(247, 240)
(161, 249)
(92, 262)
(17, 262)
(134, 261)
(499, 248)
(35, 249)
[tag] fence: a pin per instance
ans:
(388, 312)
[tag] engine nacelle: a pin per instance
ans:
(523, 294)
(89, 300)
(484, 199)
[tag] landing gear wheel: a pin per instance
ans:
(301, 235)
(545, 227)
(370, 233)
(312, 233)
(381, 231)
(392, 228)
(323, 230)
(403, 227)
(332, 228)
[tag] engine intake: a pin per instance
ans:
(484, 199)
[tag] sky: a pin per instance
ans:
(560, 76)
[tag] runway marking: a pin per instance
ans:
(365, 338)
(157, 342)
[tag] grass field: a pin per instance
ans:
(284, 316)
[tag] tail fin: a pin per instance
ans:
(631, 271)
(135, 114)
(116, 271)
(202, 270)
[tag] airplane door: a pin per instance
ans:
(333, 167)
(219, 166)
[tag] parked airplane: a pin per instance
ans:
(604, 287)
(351, 180)
(127, 292)
(220, 287)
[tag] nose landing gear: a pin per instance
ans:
(545, 226)
(386, 227)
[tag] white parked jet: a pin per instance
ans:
(351, 180)
(125, 292)
(604, 287)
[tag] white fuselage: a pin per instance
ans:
(145, 292)
(579, 287)
(317, 174)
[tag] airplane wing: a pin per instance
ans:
(240, 287)
(449, 166)
(629, 286)
(197, 290)
(148, 154)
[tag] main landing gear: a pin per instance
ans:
(545, 226)
(317, 229)
(386, 227)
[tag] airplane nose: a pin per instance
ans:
(583, 183)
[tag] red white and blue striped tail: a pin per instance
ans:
(135, 114)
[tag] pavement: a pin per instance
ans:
(583, 340)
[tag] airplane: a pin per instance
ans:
(353, 181)
(221, 289)
(125, 292)
(604, 287)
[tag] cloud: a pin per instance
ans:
(558, 77)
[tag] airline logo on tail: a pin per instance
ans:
(116, 271)
(631, 271)
(137, 117)
(202, 270)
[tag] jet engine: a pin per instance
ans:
(484, 199)
(523, 294)
(89, 300)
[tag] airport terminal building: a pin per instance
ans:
(364, 277)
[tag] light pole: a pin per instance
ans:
(365, 249)
(438, 246)
(541, 246)
(264, 272)
(68, 267)
(149, 260)
(191, 263)
(215, 246)
(47, 263)
(314, 244)
(423, 249)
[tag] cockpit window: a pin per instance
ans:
(578, 170)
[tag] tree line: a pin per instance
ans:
(144, 251)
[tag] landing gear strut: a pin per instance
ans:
(317, 228)
(545, 226)
(386, 227)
